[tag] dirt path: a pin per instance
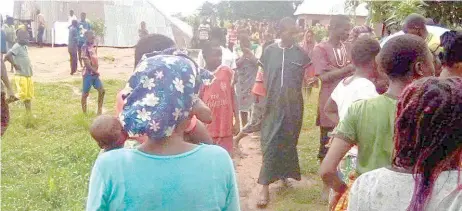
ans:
(52, 65)
(248, 169)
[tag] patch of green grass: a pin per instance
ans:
(306, 198)
(47, 159)
(109, 58)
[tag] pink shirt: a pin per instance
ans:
(219, 98)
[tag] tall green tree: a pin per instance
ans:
(255, 10)
(445, 12)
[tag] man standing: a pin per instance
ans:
(41, 28)
(73, 45)
(331, 63)
(84, 26)
(71, 17)
(283, 69)
(415, 24)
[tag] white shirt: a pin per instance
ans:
(384, 189)
(71, 18)
(227, 58)
(346, 94)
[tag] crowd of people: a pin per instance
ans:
(388, 117)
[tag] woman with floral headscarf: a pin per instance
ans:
(162, 173)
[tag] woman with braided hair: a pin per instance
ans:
(425, 170)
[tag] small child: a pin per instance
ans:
(108, 132)
(91, 73)
(18, 56)
(220, 98)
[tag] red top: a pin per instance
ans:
(219, 97)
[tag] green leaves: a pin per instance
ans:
(446, 12)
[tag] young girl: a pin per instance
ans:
(220, 98)
(165, 172)
(157, 44)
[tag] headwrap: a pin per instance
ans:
(160, 93)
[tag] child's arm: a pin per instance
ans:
(9, 58)
(5, 79)
(331, 110)
(87, 61)
(200, 134)
(202, 112)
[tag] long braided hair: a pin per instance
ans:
(428, 138)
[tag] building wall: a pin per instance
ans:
(55, 11)
(122, 18)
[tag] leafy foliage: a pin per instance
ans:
(447, 13)
(320, 32)
(255, 10)
(444, 12)
(98, 27)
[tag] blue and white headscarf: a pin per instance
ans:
(160, 94)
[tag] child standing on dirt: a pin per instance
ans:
(91, 73)
(18, 56)
(220, 98)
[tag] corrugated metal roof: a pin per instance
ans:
(328, 7)
(123, 22)
(122, 18)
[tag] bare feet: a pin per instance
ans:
(264, 197)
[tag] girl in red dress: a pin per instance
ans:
(220, 98)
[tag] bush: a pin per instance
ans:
(98, 27)
(320, 32)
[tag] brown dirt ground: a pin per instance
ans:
(52, 65)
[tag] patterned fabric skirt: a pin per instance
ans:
(347, 171)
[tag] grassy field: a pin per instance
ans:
(46, 160)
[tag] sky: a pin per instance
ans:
(186, 7)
